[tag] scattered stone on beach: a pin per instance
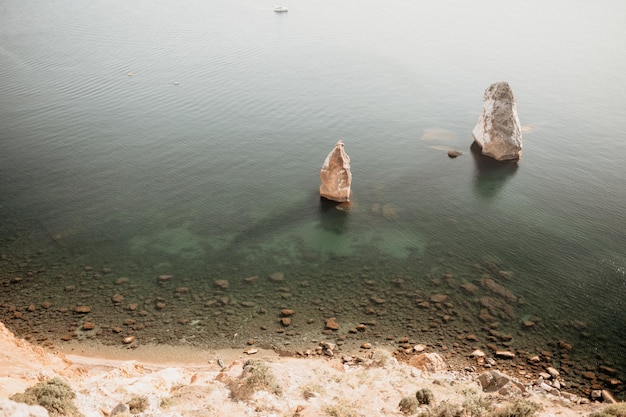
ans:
(469, 288)
(88, 325)
(121, 280)
(497, 308)
(438, 298)
(332, 324)
(250, 351)
(82, 309)
(164, 278)
(182, 290)
(366, 345)
(508, 275)
(221, 284)
(554, 373)
(159, 305)
(377, 300)
(335, 175)
(608, 397)
(117, 298)
(454, 153)
(132, 306)
(46, 304)
(251, 279)
(128, 340)
(286, 312)
(565, 346)
(430, 362)
(285, 321)
(248, 304)
(495, 381)
(505, 354)
(277, 277)
(497, 289)
(327, 348)
(477, 354)
(589, 375)
(498, 131)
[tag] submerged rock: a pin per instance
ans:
(498, 131)
(335, 175)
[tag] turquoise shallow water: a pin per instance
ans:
(150, 138)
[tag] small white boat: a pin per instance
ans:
(280, 9)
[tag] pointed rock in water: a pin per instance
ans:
(498, 131)
(336, 176)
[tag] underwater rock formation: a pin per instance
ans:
(336, 176)
(498, 131)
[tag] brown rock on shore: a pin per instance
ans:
(82, 309)
(431, 362)
(332, 324)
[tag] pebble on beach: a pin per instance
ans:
(82, 309)
(332, 324)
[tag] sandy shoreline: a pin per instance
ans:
(183, 381)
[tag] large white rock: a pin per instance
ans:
(10, 408)
(335, 175)
(498, 131)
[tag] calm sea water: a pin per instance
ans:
(159, 137)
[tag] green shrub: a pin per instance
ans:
(409, 405)
(443, 409)
(613, 410)
(520, 408)
(475, 405)
(138, 404)
(340, 410)
(55, 395)
(425, 396)
(256, 376)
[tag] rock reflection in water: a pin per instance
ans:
(491, 175)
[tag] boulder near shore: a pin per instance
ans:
(336, 176)
(498, 131)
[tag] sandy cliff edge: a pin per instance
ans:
(189, 382)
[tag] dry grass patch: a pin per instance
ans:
(256, 376)
(340, 409)
(138, 404)
(613, 410)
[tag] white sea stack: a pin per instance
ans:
(335, 175)
(498, 131)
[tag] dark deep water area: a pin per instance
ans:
(159, 163)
